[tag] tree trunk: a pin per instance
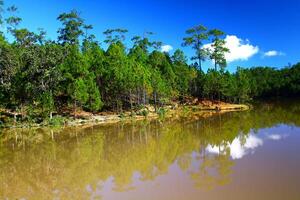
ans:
(121, 106)
(130, 99)
(138, 96)
(154, 97)
(22, 112)
(117, 106)
(75, 106)
(52, 135)
(144, 96)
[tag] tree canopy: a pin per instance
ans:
(76, 72)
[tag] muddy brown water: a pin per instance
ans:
(240, 155)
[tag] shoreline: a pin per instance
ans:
(205, 110)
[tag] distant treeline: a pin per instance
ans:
(75, 71)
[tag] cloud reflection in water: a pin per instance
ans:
(243, 145)
(239, 146)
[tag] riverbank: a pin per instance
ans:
(200, 108)
(149, 113)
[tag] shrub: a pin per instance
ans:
(145, 112)
(122, 115)
(57, 121)
(161, 112)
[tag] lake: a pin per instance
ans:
(238, 155)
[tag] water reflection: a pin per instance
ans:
(240, 146)
(277, 136)
(99, 162)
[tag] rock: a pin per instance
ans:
(150, 108)
(195, 101)
(98, 118)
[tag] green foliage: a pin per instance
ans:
(114, 35)
(243, 85)
(72, 27)
(57, 121)
(48, 76)
(47, 103)
(218, 49)
(184, 75)
(79, 91)
(195, 38)
(185, 111)
(145, 112)
(163, 68)
(132, 114)
(213, 84)
(161, 112)
(94, 101)
(122, 115)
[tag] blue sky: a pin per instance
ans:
(260, 32)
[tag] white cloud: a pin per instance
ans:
(239, 49)
(166, 48)
(273, 53)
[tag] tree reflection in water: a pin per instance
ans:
(75, 163)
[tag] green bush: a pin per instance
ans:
(185, 110)
(161, 112)
(145, 112)
(132, 114)
(122, 115)
(57, 121)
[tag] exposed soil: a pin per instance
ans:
(202, 108)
